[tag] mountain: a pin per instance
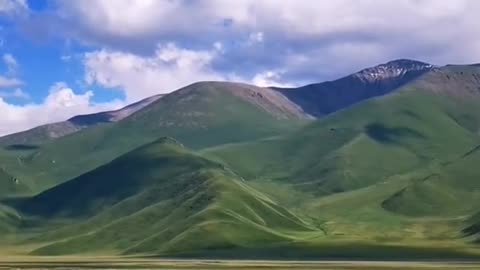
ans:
(47, 132)
(200, 115)
(314, 100)
(324, 98)
(159, 199)
(113, 116)
(396, 168)
(390, 176)
(399, 130)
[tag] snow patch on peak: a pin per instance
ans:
(392, 69)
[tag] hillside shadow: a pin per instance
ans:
(386, 135)
(21, 147)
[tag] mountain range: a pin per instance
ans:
(378, 164)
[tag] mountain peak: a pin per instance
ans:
(168, 140)
(408, 63)
(392, 69)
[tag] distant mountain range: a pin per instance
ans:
(313, 100)
(56, 130)
(380, 164)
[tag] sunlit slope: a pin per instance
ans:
(451, 188)
(360, 146)
(199, 115)
(159, 199)
(402, 168)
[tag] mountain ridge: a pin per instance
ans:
(280, 102)
(321, 99)
(40, 134)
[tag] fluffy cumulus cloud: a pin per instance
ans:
(169, 68)
(60, 104)
(335, 37)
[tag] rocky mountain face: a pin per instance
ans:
(266, 99)
(453, 80)
(392, 70)
(112, 116)
(327, 97)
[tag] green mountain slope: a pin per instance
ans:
(369, 142)
(200, 115)
(10, 184)
(450, 189)
(396, 169)
(358, 147)
(160, 199)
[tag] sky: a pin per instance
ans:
(60, 58)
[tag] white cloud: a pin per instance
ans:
(9, 81)
(17, 93)
(6, 82)
(10, 63)
(293, 17)
(122, 18)
(437, 31)
(61, 104)
(13, 7)
(270, 78)
(169, 68)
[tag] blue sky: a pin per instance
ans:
(60, 58)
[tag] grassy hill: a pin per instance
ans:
(164, 200)
(159, 199)
(10, 184)
(396, 169)
(199, 115)
(365, 144)
(360, 146)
